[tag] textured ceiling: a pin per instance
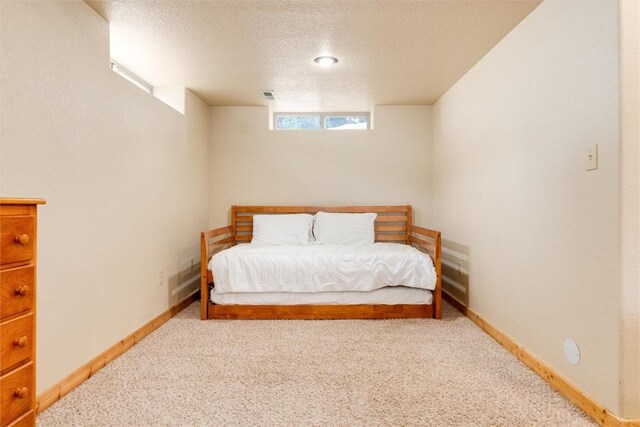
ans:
(390, 52)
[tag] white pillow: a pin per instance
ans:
(344, 228)
(279, 229)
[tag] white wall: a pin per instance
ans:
(542, 234)
(630, 206)
(123, 174)
(387, 165)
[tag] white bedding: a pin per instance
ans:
(321, 268)
(393, 295)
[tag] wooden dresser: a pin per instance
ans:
(18, 219)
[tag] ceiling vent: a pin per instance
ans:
(268, 94)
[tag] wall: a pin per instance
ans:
(387, 165)
(630, 206)
(541, 233)
(123, 174)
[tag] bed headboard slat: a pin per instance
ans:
(393, 223)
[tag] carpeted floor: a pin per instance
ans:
(315, 373)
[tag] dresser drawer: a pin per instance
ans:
(16, 290)
(16, 393)
(16, 238)
(16, 341)
(27, 420)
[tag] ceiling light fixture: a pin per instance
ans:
(325, 61)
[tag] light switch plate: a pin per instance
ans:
(592, 157)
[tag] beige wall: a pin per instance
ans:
(541, 233)
(630, 206)
(130, 183)
(387, 165)
(123, 174)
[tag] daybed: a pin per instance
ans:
(393, 224)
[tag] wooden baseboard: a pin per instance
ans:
(565, 387)
(454, 302)
(86, 371)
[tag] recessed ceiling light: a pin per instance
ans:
(325, 60)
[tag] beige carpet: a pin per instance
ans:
(315, 373)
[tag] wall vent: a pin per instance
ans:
(268, 94)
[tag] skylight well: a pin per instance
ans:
(174, 97)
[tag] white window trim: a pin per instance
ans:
(131, 76)
(322, 119)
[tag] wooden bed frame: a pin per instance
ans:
(393, 224)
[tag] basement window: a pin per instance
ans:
(318, 121)
(346, 121)
(297, 121)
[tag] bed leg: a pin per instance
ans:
(204, 289)
(437, 301)
(437, 297)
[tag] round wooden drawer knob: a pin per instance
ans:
(23, 239)
(20, 342)
(22, 290)
(21, 393)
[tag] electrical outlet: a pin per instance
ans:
(160, 277)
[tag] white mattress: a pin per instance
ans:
(320, 268)
(394, 295)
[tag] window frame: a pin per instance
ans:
(130, 76)
(323, 117)
(356, 114)
(308, 114)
